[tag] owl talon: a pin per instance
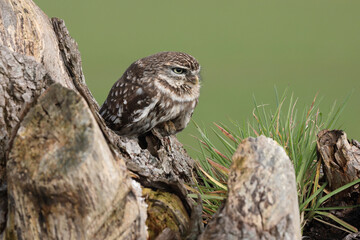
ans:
(166, 128)
(170, 128)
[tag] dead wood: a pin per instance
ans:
(340, 159)
(165, 211)
(22, 79)
(25, 29)
(63, 181)
(35, 53)
(262, 199)
(167, 170)
(29, 58)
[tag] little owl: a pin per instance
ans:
(159, 91)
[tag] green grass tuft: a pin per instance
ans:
(294, 130)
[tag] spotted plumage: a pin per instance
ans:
(159, 91)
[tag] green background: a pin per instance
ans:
(245, 48)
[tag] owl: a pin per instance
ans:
(159, 91)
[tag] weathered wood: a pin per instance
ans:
(262, 199)
(168, 168)
(352, 236)
(340, 159)
(63, 181)
(165, 211)
(168, 234)
(164, 165)
(25, 29)
(22, 79)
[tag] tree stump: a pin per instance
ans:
(262, 199)
(63, 179)
(340, 158)
(340, 161)
(35, 53)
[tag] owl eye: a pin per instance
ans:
(178, 70)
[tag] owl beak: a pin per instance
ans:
(194, 79)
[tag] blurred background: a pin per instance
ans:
(246, 48)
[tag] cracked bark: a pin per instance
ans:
(65, 183)
(340, 160)
(22, 80)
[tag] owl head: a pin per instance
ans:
(175, 71)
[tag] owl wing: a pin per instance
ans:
(127, 105)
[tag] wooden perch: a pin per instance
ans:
(164, 170)
(262, 199)
(39, 54)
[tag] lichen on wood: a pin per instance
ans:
(262, 199)
(165, 210)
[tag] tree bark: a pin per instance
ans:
(63, 181)
(29, 51)
(262, 199)
(35, 53)
(340, 159)
(22, 80)
(25, 29)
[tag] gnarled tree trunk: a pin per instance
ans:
(65, 175)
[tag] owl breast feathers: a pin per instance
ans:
(158, 91)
